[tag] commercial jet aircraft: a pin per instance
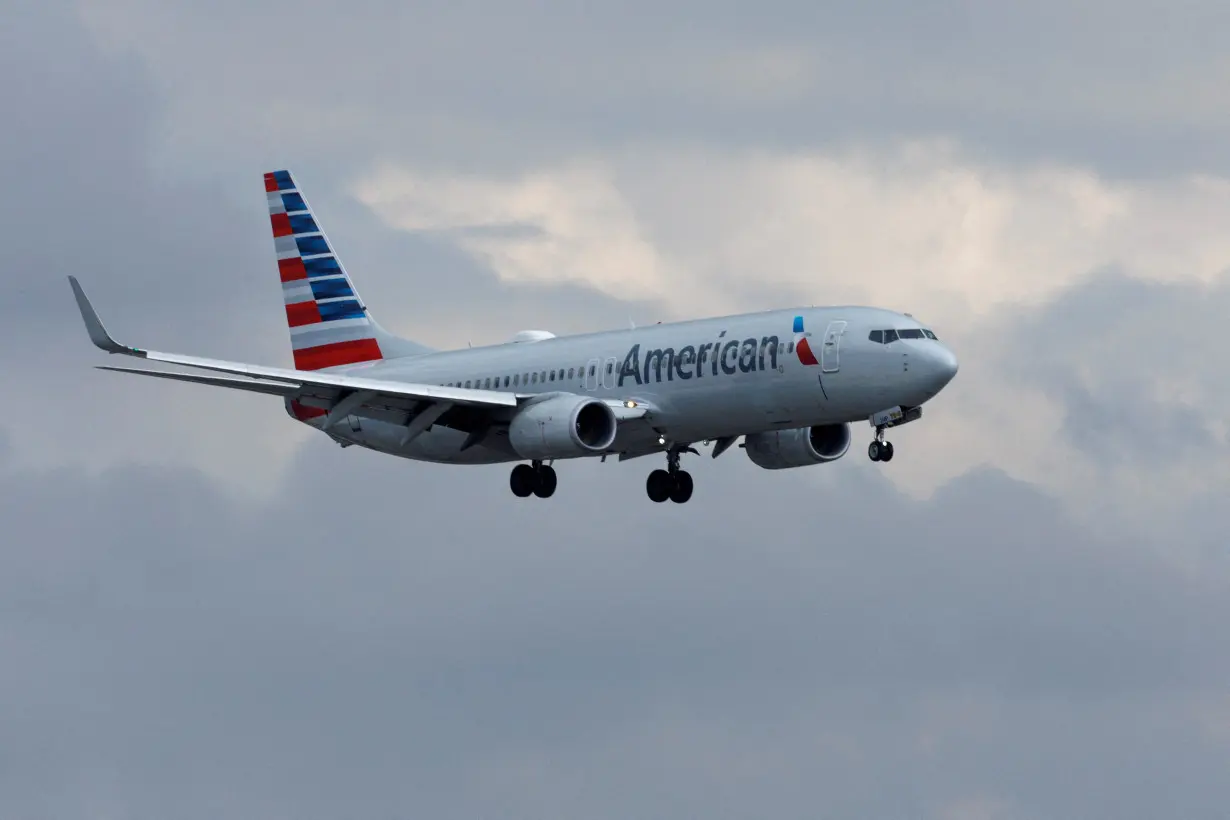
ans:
(789, 382)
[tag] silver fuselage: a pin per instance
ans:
(704, 379)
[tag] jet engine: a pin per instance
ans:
(563, 426)
(800, 447)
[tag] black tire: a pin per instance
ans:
(682, 490)
(522, 480)
(875, 451)
(887, 452)
(658, 486)
(544, 487)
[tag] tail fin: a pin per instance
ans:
(330, 325)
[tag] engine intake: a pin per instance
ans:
(563, 426)
(800, 447)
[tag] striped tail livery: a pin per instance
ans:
(329, 324)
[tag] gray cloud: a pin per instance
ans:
(1094, 84)
(175, 653)
(1106, 344)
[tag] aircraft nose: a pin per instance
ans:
(943, 366)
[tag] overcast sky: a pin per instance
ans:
(207, 610)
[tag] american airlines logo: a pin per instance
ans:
(801, 347)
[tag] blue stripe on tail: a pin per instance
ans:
(312, 245)
(331, 288)
(323, 266)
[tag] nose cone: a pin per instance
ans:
(941, 367)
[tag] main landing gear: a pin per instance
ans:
(535, 478)
(672, 483)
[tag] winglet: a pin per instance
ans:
(94, 326)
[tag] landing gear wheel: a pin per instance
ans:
(682, 490)
(880, 450)
(659, 486)
(672, 483)
(544, 487)
(523, 480)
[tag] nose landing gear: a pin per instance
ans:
(880, 450)
(672, 483)
(535, 478)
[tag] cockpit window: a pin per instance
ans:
(891, 335)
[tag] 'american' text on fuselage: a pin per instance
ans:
(733, 356)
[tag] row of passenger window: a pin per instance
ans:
(520, 379)
(885, 336)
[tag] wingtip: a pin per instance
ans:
(93, 325)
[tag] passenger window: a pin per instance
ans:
(890, 336)
(534, 378)
(552, 375)
(790, 347)
(877, 336)
(467, 382)
(609, 368)
(488, 383)
(516, 380)
(543, 375)
(571, 372)
(591, 370)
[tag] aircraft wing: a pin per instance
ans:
(338, 395)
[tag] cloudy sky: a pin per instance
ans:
(205, 610)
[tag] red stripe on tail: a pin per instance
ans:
(281, 224)
(338, 353)
(292, 270)
(271, 184)
(302, 313)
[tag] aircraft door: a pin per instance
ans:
(830, 353)
(591, 374)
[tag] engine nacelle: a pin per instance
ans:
(562, 427)
(800, 447)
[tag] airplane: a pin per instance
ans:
(789, 382)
